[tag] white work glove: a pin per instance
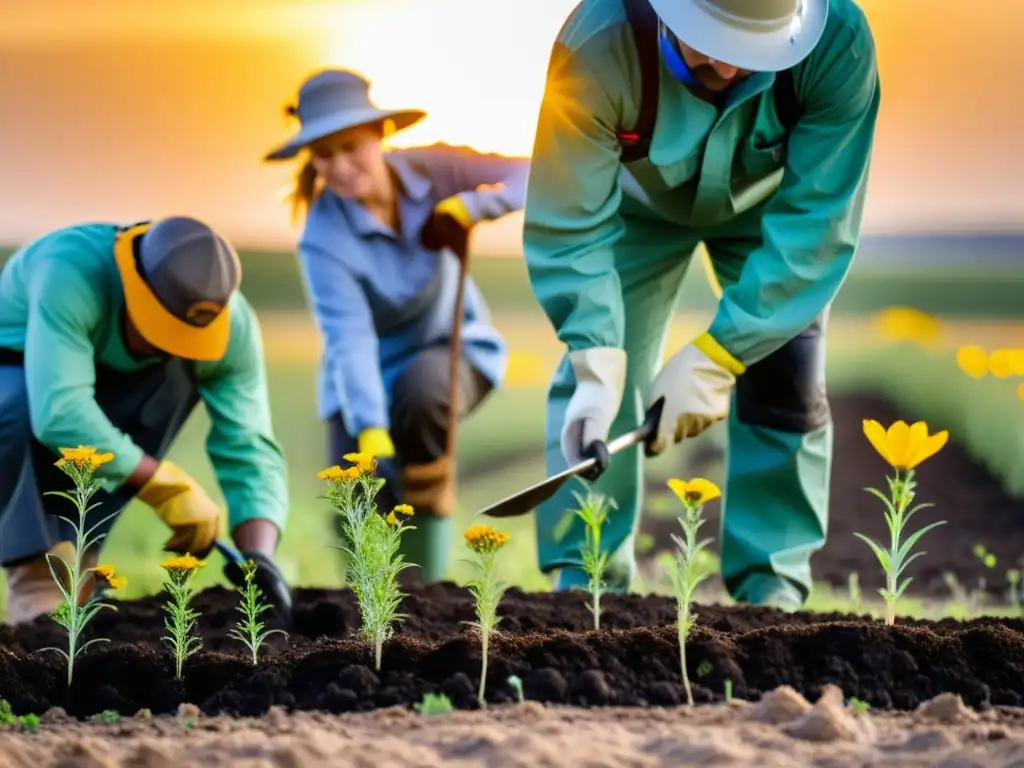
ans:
(600, 378)
(697, 390)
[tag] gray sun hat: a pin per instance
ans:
(758, 35)
(331, 101)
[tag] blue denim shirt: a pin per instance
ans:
(360, 277)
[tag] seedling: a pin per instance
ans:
(107, 716)
(180, 620)
(516, 684)
(728, 690)
(684, 570)
(28, 723)
(487, 590)
(250, 630)
(434, 704)
(1013, 579)
(74, 613)
(978, 593)
(372, 542)
(903, 448)
(859, 707)
(593, 511)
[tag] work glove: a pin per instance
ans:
(270, 580)
(600, 378)
(448, 226)
(184, 507)
(696, 384)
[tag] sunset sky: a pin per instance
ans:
(123, 109)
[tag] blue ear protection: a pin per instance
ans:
(673, 59)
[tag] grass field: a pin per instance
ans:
(509, 427)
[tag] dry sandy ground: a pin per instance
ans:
(781, 730)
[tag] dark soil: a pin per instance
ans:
(632, 662)
(965, 495)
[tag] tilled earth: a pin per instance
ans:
(632, 661)
(783, 729)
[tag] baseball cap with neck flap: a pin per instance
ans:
(178, 277)
(756, 35)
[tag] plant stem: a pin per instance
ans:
(378, 648)
(681, 622)
(890, 612)
(484, 639)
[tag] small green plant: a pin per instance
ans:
(903, 448)
(516, 684)
(250, 630)
(75, 611)
(107, 716)
(853, 589)
(684, 570)
(180, 620)
(487, 590)
(728, 690)
(372, 542)
(434, 704)
(28, 723)
(859, 707)
(1013, 579)
(988, 560)
(593, 511)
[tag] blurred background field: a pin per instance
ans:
(119, 111)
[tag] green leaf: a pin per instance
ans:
(881, 554)
(914, 537)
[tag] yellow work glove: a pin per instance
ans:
(448, 227)
(377, 442)
(184, 507)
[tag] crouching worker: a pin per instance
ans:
(385, 232)
(109, 337)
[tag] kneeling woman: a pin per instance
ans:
(380, 253)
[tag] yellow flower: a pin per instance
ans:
(105, 574)
(1000, 363)
(391, 519)
(83, 457)
(404, 509)
(364, 461)
(908, 324)
(972, 360)
(338, 474)
(182, 564)
(696, 491)
(902, 446)
(483, 539)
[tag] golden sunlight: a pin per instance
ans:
(477, 69)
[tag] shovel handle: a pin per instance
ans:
(642, 434)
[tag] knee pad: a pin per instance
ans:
(786, 390)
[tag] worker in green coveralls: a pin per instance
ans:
(109, 337)
(743, 125)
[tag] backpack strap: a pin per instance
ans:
(787, 106)
(644, 23)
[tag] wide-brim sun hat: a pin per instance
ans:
(334, 100)
(756, 35)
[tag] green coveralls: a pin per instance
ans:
(61, 304)
(607, 246)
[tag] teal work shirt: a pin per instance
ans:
(61, 302)
(706, 166)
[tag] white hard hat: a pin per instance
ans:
(759, 35)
